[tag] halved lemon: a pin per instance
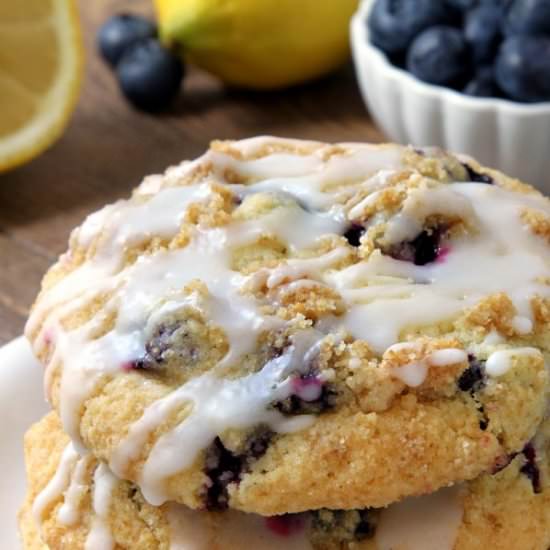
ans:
(40, 74)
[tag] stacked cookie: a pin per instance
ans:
(299, 344)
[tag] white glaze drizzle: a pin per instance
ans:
(153, 280)
(295, 269)
(68, 513)
(419, 205)
(414, 373)
(124, 224)
(57, 484)
(500, 362)
(93, 224)
(493, 338)
(383, 295)
(100, 536)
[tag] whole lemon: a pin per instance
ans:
(260, 44)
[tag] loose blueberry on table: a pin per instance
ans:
(120, 32)
(149, 75)
(483, 48)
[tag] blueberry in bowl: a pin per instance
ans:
(446, 43)
(482, 84)
(473, 77)
(531, 17)
(523, 68)
(394, 23)
(482, 30)
(439, 55)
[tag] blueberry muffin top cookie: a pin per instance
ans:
(283, 326)
(75, 503)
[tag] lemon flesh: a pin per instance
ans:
(259, 43)
(40, 73)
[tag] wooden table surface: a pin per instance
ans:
(108, 148)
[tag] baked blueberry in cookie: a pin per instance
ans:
(169, 341)
(476, 176)
(422, 250)
(530, 468)
(473, 378)
(310, 396)
(223, 466)
(354, 233)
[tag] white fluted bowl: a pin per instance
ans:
(512, 137)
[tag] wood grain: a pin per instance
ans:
(109, 147)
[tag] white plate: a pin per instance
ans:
(21, 403)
